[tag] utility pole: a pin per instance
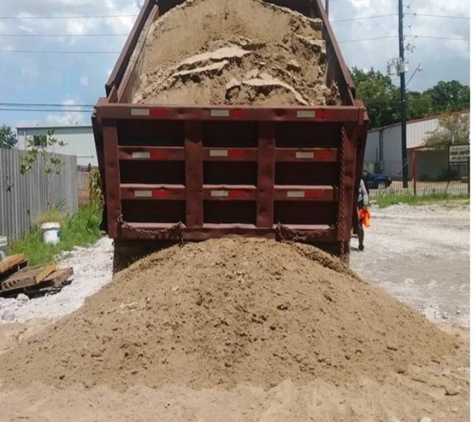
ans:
(327, 7)
(402, 74)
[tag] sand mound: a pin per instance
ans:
(276, 57)
(226, 312)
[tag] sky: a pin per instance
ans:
(37, 68)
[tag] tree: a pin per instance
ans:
(379, 95)
(418, 105)
(453, 128)
(449, 97)
(7, 137)
(382, 99)
(43, 147)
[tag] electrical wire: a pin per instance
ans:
(67, 17)
(63, 35)
(57, 52)
(363, 18)
(87, 108)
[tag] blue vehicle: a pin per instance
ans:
(376, 181)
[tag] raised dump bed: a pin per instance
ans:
(276, 150)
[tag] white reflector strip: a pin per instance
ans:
(143, 193)
(141, 155)
(304, 155)
(219, 113)
(218, 153)
(295, 194)
(220, 193)
(140, 112)
(306, 114)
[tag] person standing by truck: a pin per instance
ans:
(363, 200)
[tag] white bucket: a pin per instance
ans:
(3, 247)
(51, 232)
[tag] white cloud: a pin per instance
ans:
(67, 118)
(442, 59)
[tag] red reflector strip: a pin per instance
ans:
(157, 112)
(237, 193)
(233, 193)
(323, 155)
(324, 114)
(315, 114)
(154, 155)
(231, 153)
(155, 193)
(314, 193)
(236, 153)
(228, 113)
(161, 194)
(157, 155)
(238, 113)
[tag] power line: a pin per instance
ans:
(58, 52)
(368, 39)
(63, 35)
(87, 108)
(439, 38)
(440, 16)
(68, 17)
(44, 105)
(363, 18)
(45, 110)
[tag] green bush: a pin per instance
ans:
(80, 229)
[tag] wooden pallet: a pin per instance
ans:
(10, 262)
(27, 277)
(51, 284)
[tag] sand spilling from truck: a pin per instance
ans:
(227, 312)
(245, 52)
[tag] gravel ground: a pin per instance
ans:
(92, 270)
(421, 255)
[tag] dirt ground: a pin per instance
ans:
(422, 256)
(417, 254)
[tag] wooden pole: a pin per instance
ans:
(468, 176)
(414, 172)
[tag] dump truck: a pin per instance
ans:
(191, 172)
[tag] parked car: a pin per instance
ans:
(376, 181)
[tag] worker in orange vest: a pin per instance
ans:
(363, 213)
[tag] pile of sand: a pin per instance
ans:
(226, 312)
(235, 52)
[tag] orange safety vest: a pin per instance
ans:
(365, 217)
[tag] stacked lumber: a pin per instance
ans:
(16, 276)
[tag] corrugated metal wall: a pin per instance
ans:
(24, 197)
(79, 141)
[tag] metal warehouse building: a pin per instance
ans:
(79, 141)
(383, 152)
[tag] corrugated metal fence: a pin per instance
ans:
(24, 197)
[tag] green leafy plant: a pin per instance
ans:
(95, 189)
(80, 229)
(43, 147)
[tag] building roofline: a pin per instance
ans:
(422, 119)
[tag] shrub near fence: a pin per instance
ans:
(427, 177)
(24, 197)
